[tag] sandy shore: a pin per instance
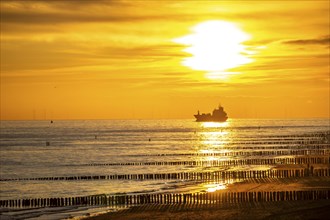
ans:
(266, 210)
(317, 209)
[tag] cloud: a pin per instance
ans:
(50, 12)
(155, 51)
(325, 40)
(43, 12)
(39, 18)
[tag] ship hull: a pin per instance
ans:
(202, 118)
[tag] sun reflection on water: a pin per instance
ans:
(215, 187)
(215, 124)
(214, 136)
(214, 141)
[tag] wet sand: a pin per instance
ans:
(308, 209)
(266, 210)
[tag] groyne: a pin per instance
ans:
(176, 198)
(235, 162)
(213, 175)
(301, 152)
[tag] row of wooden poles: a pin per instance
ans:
(276, 142)
(187, 198)
(303, 152)
(285, 139)
(276, 147)
(267, 141)
(310, 136)
(320, 134)
(249, 161)
(213, 175)
(307, 135)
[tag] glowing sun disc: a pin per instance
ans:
(215, 46)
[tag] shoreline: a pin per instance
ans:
(286, 209)
(311, 209)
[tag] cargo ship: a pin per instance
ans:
(218, 115)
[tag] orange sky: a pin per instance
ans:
(122, 59)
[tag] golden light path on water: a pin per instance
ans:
(214, 137)
(215, 187)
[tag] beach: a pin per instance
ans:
(272, 210)
(298, 209)
(294, 209)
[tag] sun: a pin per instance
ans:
(215, 47)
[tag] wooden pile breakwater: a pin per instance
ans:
(301, 152)
(280, 141)
(231, 146)
(277, 140)
(249, 161)
(206, 176)
(176, 198)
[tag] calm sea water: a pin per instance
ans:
(76, 145)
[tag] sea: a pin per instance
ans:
(33, 152)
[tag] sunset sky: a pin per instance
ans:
(164, 59)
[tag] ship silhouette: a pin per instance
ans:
(218, 115)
